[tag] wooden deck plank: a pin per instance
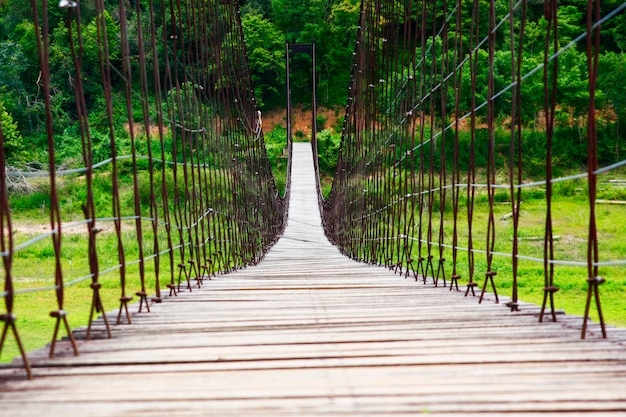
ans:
(309, 332)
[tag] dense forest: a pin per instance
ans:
(267, 25)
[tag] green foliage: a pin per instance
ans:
(320, 122)
(619, 32)
(292, 17)
(262, 7)
(37, 200)
(275, 145)
(12, 64)
(328, 144)
(267, 24)
(336, 52)
(275, 142)
(61, 61)
(267, 28)
(19, 69)
(265, 45)
(13, 143)
(614, 68)
(300, 136)
(19, 74)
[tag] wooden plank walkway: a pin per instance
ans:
(309, 332)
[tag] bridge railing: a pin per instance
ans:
(465, 130)
(179, 191)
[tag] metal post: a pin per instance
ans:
(314, 99)
(288, 82)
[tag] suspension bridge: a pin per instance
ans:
(238, 299)
(311, 332)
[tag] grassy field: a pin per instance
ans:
(570, 217)
(570, 220)
(33, 269)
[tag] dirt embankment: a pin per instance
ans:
(302, 120)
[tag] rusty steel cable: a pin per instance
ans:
(594, 280)
(183, 117)
(515, 147)
(6, 245)
(471, 172)
(105, 71)
(550, 77)
(43, 50)
(442, 174)
(73, 15)
(429, 109)
(491, 168)
(147, 127)
(161, 189)
(128, 94)
(410, 184)
(456, 168)
(422, 123)
(128, 90)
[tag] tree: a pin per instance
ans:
(13, 142)
(337, 48)
(12, 89)
(265, 45)
(292, 16)
(61, 59)
(614, 68)
(619, 32)
(262, 7)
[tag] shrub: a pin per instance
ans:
(13, 142)
(328, 144)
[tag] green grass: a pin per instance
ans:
(570, 219)
(33, 268)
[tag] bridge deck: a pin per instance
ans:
(309, 332)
